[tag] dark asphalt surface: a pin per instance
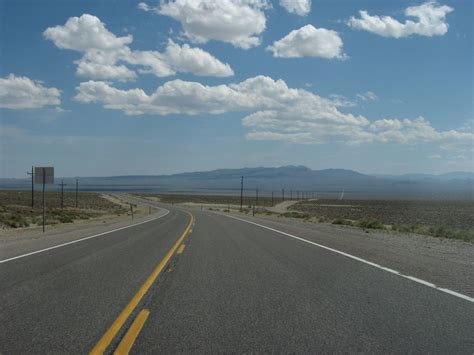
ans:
(63, 300)
(238, 288)
(235, 288)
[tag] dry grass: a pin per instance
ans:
(16, 210)
(442, 219)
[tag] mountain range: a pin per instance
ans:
(327, 182)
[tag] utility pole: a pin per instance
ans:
(32, 186)
(77, 189)
(256, 197)
(291, 194)
(241, 191)
(62, 184)
(272, 198)
(41, 173)
(283, 194)
(297, 195)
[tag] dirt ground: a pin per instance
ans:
(459, 214)
(16, 210)
(448, 219)
(248, 200)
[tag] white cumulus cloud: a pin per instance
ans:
(299, 7)
(194, 60)
(239, 22)
(106, 56)
(85, 33)
(309, 41)
(20, 92)
(272, 110)
(430, 21)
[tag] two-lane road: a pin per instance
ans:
(63, 299)
(231, 286)
(240, 287)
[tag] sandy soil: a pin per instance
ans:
(282, 207)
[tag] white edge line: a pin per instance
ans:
(82, 239)
(395, 272)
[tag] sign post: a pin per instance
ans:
(44, 175)
(241, 191)
(32, 187)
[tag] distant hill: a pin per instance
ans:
(327, 182)
(456, 175)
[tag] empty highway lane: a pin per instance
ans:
(228, 286)
(64, 299)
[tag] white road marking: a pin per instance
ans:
(80, 240)
(395, 272)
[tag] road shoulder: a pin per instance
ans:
(445, 263)
(23, 241)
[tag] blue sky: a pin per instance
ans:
(118, 87)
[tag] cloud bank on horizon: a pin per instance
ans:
(277, 111)
(272, 110)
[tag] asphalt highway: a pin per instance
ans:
(199, 281)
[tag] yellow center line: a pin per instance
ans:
(109, 335)
(132, 334)
(181, 248)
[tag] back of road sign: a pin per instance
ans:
(47, 172)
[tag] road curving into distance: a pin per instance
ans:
(199, 281)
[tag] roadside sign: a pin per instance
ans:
(46, 172)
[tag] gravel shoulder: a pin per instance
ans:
(444, 262)
(282, 207)
(20, 241)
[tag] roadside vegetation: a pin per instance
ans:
(447, 219)
(16, 211)
(439, 231)
(441, 219)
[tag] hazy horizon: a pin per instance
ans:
(240, 168)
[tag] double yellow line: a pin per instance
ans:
(110, 334)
